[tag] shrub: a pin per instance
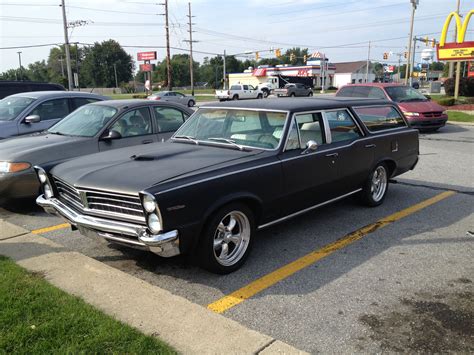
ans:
(128, 88)
(446, 101)
(139, 96)
(466, 86)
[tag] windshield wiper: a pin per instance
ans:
(58, 133)
(189, 138)
(413, 99)
(226, 140)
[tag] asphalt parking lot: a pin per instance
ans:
(344, 278)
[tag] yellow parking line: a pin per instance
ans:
(50, 229)
(282, 273)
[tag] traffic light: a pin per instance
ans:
(385, 56)
(305, 58)
(426, 40)
(257, 56)
(405, 55)
(278, 52)
(433, 42)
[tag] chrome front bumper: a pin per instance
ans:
(133, 235)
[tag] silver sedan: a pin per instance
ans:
(174, 96)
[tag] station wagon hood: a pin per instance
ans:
(133, 169)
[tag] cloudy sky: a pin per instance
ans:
(339, 28)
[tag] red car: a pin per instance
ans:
(420, 111)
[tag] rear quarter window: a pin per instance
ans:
(380, 118)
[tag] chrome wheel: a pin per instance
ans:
(378, 184)
(231, 238)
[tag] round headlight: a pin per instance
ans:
(149, 204)
(154, 223)
(42, 176)
(47, 191)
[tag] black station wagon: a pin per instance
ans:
(232, 169)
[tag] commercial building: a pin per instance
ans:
(352, 73)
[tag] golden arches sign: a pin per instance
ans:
(459, 50)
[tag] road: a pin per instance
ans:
(393, 278)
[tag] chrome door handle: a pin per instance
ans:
(370, 145)
(335, 155)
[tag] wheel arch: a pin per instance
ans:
(389, 162)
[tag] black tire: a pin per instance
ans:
(265, 93)
(292, 94)
(191, 103)
(235, 97)
(259, 96)
(369, 195)
(310, 94)
(222, 100)
(210, 253)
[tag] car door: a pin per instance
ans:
(167, 121)
(135, 127)
(354, 155)
(171, 97)
(245, 92)
(307, 175)
(181, 99)
(50, 112)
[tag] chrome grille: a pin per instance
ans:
(68, 193)
(111, 203)
(432, 114)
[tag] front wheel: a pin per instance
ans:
(310, 94)
(292, 94)
(226, 239)
(375, 188)
(259, 96)
(191, 103)
(235, 97)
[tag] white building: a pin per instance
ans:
(352, 73)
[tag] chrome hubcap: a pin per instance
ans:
(231, 238)
(379, 183)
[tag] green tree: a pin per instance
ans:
(38, 71)
(15, 74)
(57, 68)
(298, 54)
(98, 65)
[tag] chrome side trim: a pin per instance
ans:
(306, 210)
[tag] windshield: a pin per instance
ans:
(86, 121)
(404, 94)
(234, 127)
(11, 107)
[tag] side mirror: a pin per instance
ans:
(111, 135)
(311, 146)
(32, 119)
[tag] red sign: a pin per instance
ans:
(146, 55)
(147, 67)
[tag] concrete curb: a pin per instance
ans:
(188, 327)
(461, 123)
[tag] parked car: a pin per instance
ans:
(174, 96)
(420, 111)
(239, 92)
(36, 111)
(230, 170)
(10, 87)
(292, 90)
(90, 129)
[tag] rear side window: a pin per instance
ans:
(235, 87)
(81, 101)
(168, 119)
(379, 118)
(345, 91)
(342, 126)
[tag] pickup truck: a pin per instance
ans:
(293, 90)
(239, 92)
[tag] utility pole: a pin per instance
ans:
(66, 47)
(21, 69)
(191, 66)
(77, 67)
(455, 37)
(168, 55)
(368, 65)
(414, 4)
(115, 72)
(224, 70)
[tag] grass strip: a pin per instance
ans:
(460, 116)
(38, 318)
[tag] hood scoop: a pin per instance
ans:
(142, 157)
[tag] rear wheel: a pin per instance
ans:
(191, 103)
(375, 188)
(259, 96)
(235, 97)
(292, 94)
(310, 94)
(226, 239)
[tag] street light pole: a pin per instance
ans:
(21, 69)
(458, 64)
(66, 47)
(414, 4)
(368, 65)
(224, 71)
